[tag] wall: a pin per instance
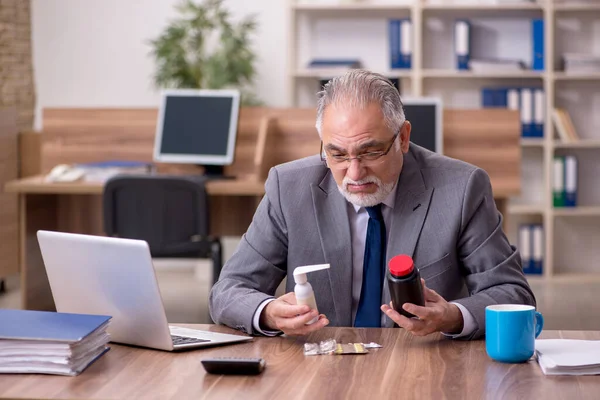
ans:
(9, 203)
(16, 74)
(94, 53)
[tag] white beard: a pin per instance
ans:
(366, 199)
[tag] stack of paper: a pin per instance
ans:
(50, 343)
(568, 357)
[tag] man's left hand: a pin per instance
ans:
(437, 316)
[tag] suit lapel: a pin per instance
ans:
(334, 233)
(410, 209)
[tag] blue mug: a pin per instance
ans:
(510, 332)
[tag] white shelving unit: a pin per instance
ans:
(482, 6)
(358, 29)
(455, 74)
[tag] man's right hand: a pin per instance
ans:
(284, 314)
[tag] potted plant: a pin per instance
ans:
(204, 49)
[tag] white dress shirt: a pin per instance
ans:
(359, 219)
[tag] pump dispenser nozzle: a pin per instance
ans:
(303, 289)
(300, 272)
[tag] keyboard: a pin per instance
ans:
(177, 340)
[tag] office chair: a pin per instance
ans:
(169, 212)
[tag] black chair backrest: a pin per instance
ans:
(165, 211)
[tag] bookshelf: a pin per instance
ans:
(483, 6)
(573, 5)
(581, 211)
(532, 142)
(450, 74)
(526, 209)
(348, 6)
(562, 76)
(582, 144)
(358, 29)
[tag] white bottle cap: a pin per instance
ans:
(300, 272)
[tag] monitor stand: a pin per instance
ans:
(215, 172)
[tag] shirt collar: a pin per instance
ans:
(389, 201)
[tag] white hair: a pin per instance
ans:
(366, 199)
(358, 88)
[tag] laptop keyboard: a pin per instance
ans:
(186, 340)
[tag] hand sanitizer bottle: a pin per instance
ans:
(303, 289)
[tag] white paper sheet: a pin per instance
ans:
(568, 357)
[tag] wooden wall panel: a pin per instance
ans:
(488, 138)
(88, 135)
(73, 135)
(30, 154)
(9, 202)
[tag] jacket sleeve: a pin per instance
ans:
(491, 265)
(256, 268)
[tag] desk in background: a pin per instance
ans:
(489, 138)
(77, 207)
(406, 367)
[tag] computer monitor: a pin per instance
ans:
(425, 116)
(197, 127)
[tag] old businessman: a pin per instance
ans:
(370, 195)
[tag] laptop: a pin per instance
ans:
(113, 276)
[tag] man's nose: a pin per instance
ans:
(355, 170)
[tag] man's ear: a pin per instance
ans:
(405, 136)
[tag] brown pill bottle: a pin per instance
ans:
(404, 282)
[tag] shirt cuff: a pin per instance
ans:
(469, 323)
(256, 319)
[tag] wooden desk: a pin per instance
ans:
(406, 367)
(36, 185)
(77, 208)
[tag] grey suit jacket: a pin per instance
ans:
(444, 217)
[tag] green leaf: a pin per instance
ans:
(186, 56)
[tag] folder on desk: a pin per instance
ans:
(50, 342)
(462, 46)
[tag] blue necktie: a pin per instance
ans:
(369, 312)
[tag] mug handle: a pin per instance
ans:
(539, 323)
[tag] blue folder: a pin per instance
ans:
(537, 28)
(488, 98)
(462, 43)
(115, 164)
(394, 43)
(48, 326)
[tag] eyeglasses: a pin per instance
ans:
(370, 158)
